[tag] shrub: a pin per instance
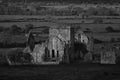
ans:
(109, 29)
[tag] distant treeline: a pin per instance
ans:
(67, 1)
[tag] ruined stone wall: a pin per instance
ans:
(81, 37)
(108, 57)
(58, 37)
(38, 53)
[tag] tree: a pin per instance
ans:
(118, 39)
(112, 40)
(88, 30)
(103, 11)
(109, 29)
(97, 41)
(15, 29)
(77, 28)
(28, 27)
(6, 38)
(80, 48)
(45, 31)
(91, 11)
(98, 21)
(6, 30)
(1, 28)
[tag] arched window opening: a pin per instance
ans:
(53, 53)
(57, 53)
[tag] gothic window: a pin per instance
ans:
(53, 53)
(57, 53)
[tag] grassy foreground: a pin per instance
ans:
(76, 71)
(80, 71)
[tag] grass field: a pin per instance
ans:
(104, 36)
(89, 22)
(61, 72)
(76, 71)
(92, 27)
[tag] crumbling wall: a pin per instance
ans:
(81, 37)
(87, 41)
(38, 53)
(108, 57)
(58, 37)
